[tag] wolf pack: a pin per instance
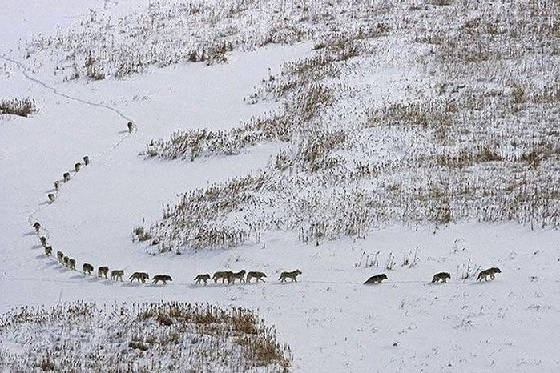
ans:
(102, 271)
(224, 276)
(440, 277)
(66, 178)
(243, 277)
(118, 274)
(85, 161)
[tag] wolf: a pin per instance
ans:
(130, 127)
(164, 278)
(87, 268)
(56, 185)
(43, 241)
(140, 276)
(66, 176)
(102, 271)
(490, 272)
(237, 276)
(37, 226)
(77, 166)
(86, 160)
(52, 197)
(72, 264)
(256, 275)
(441, 276)
(117, 275)
(293, 275)
(65, 260)
(376, 279)
(222, 275)
(59, 256)
(48, 250)
(205, 277)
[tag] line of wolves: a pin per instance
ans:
(66, 177)
(102, 271)
(117, 275)
(231, 276)
(441, 276)
(77, 166)
(228, 276)
(71, 262)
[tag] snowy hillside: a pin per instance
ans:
(341, 138)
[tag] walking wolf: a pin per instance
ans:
(102, 272)
(237, 276)
(293, 275)
(87, 268)
(117, 275)
(441, 276)
(490, 272)
(256, 275)
(204, 278)
(222, 275)
(376, 279)
(140, 276)
(163, 278)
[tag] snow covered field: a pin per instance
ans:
(331, 321)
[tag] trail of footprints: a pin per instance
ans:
(229, 276)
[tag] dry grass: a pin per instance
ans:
(22, 107)
(140, 337)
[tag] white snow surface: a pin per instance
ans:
(330, 319)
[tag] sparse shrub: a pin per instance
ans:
(469, 137)
(141, 234)
(22, 107)
(390, 264)
(468, 270)
(193, 144)
(411, 259)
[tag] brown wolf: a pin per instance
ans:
(87, 268)
(222, 275)
(293, 275)
(490, 272)
(140, 276)
(164, 278)
(117, 275)
(256, 275)
(237, 276)
(102, 271)
(204, 278)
